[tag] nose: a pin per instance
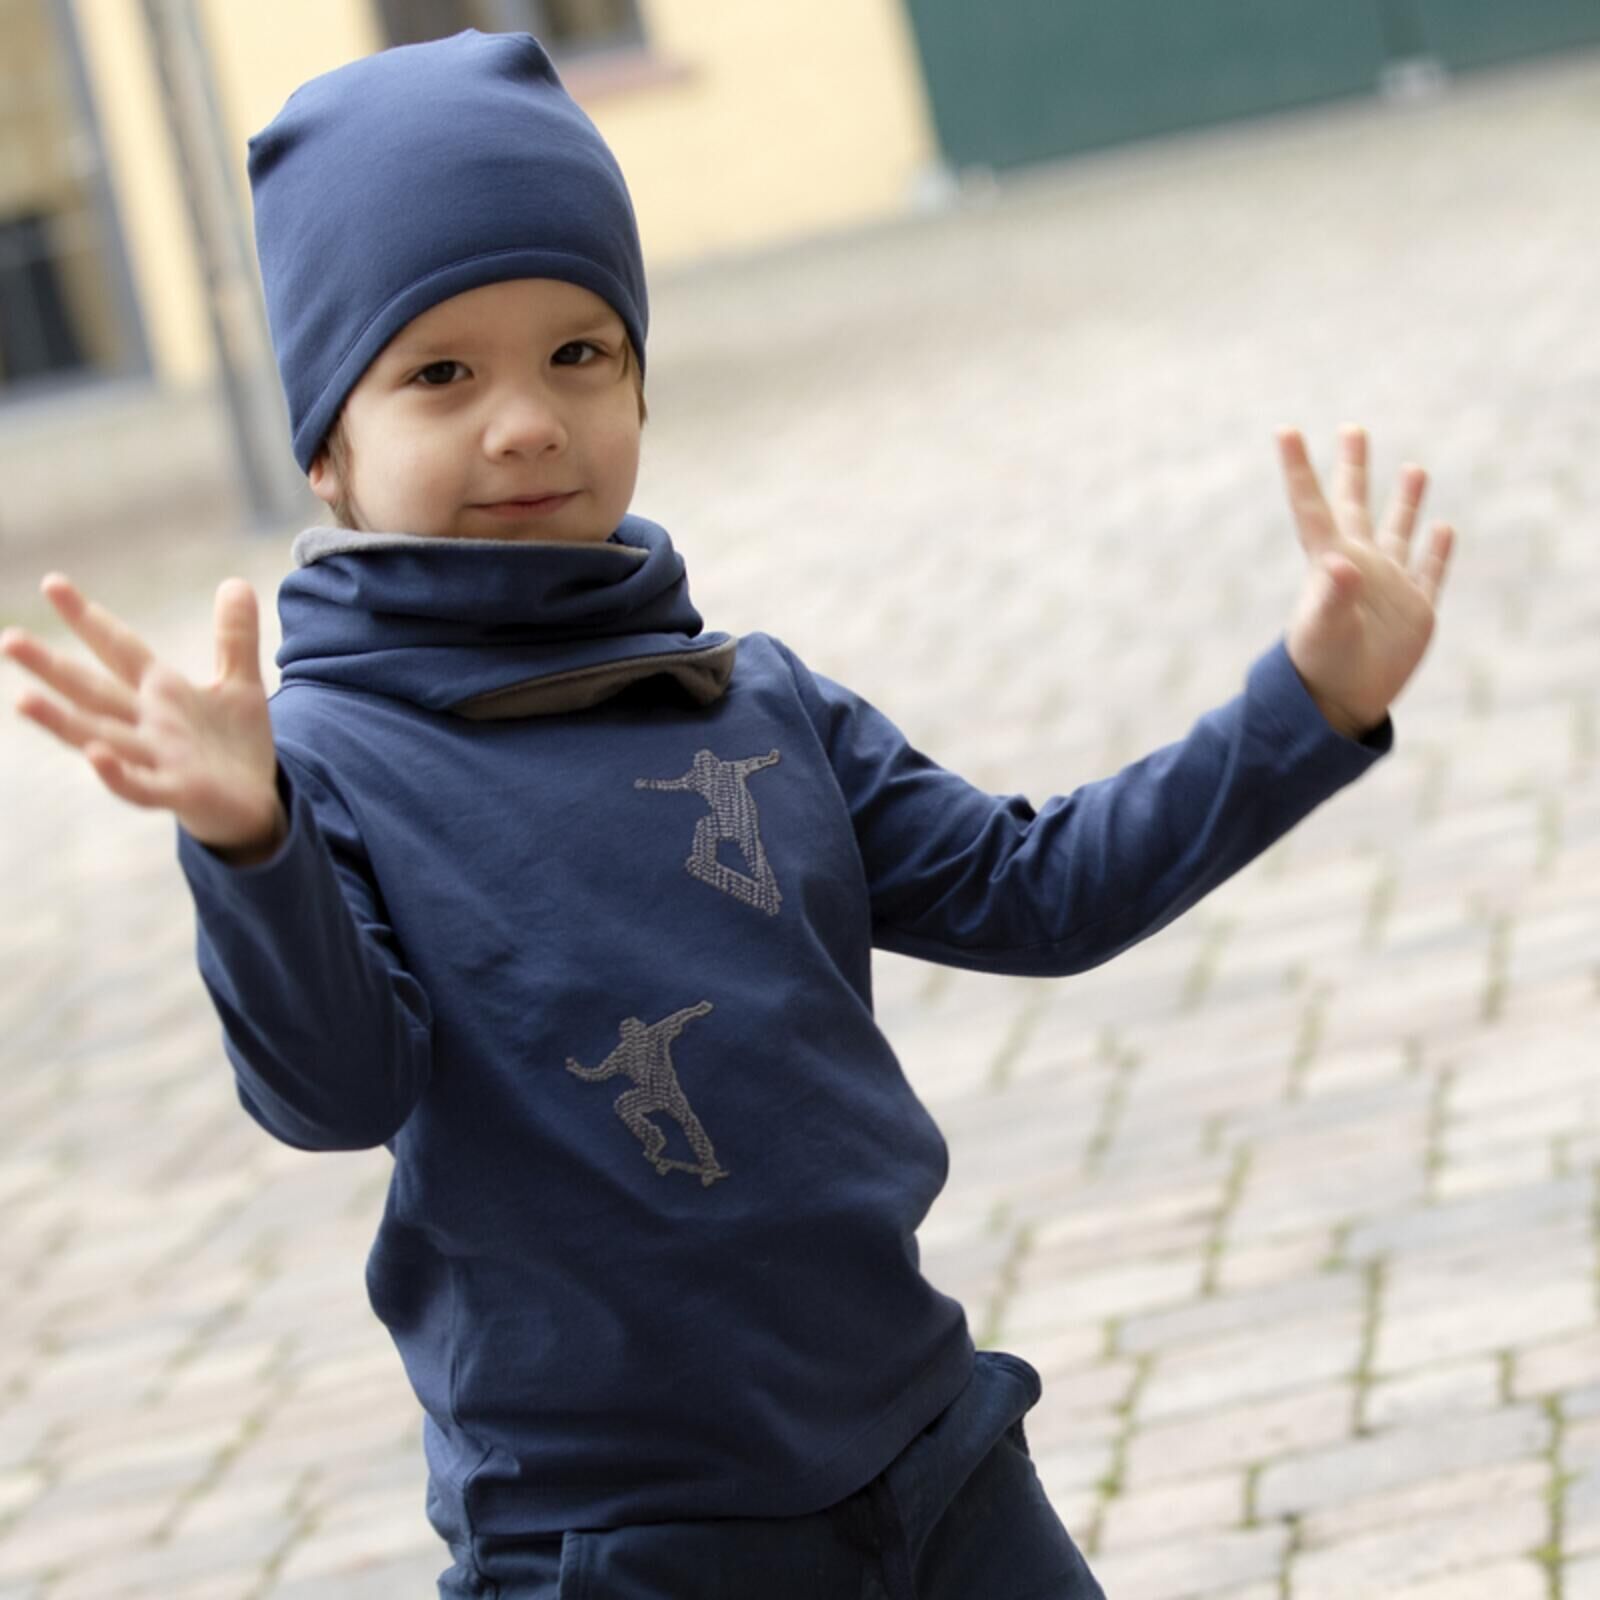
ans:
(523, 421)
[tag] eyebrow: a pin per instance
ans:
(441, 345)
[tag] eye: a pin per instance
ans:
(438, 374)
(577, 353)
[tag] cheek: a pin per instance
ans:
(621, 469)
(618, 435)
(417, 460)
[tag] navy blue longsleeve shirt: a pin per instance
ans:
(575, 915)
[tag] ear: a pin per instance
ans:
(324, 477)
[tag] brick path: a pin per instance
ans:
(1296, 1205)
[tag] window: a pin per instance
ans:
(65, 308)
(567, 27)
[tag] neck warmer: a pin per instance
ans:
(490, 629)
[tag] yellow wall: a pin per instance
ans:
(788, 118)
(33, 142)
(144, 178)
(773, 119)
(262, 53)
(39, 179)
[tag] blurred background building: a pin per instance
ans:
(135, 383)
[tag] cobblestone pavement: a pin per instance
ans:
(1296, 1206)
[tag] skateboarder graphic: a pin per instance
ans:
(723, 785)
(644, 1055)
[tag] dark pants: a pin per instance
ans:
(958, 1515)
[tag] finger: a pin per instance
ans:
(73, 728)
(1350, 484)
(116, 644)
(137, 785)
(1436, 560)
(1313, 520)
(1400, 519)
(88, 690)
(1340, 581)
(238, 631)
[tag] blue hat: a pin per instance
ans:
(392, 183)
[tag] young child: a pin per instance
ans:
(571, 905)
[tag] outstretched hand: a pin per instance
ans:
(205, 753)
(1366, 613)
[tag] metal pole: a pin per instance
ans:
(232, 298)
(90, 167)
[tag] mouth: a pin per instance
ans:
(525, 506)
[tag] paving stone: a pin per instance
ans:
(1580, 1444)
(1580, 1579)
(1298, 1199)
(1499, 1167)
(1434, 1391)
(1433, 1498)
(1335, 1128)
(1066, 1468)
(149, 1571)
(1150, 1516)
(360, 1534)
(1093, 1297)
(236, 1501)
(1498, 1580)
(1194, 1566)
(1328, 1294)
(1535, 1120)
(1274, 1261)
(18, 1489)
(1559, 1207)
(1558, 1364)
(1077, 1505)
(1423, 1548)
(1261, 1430)
(1489, 1317)
(407, 1575)
(1104, 1386)
(1064, 1350)
(1398, 1458)
(1279, 1357)
(1150, 1250)
(1051, 1426)
(56, 1532)
(1153, 1202)
(1580, 1513)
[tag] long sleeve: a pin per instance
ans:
(976, 880)
(328, 1034)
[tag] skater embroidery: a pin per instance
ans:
(724, 786)
(644, 1055)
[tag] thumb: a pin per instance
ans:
(238, 632)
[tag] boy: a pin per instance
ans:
(515, 827)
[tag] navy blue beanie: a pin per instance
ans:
(392, 183)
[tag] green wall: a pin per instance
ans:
(1474, 33)
(1013, 81)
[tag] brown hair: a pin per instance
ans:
(344, 510)
(337, 446)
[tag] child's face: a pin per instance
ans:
(507, 412)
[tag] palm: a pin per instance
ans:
(203, 752)
(1365, 615)
(214, 743)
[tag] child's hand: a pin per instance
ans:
(154, 738)
(1364, 616)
